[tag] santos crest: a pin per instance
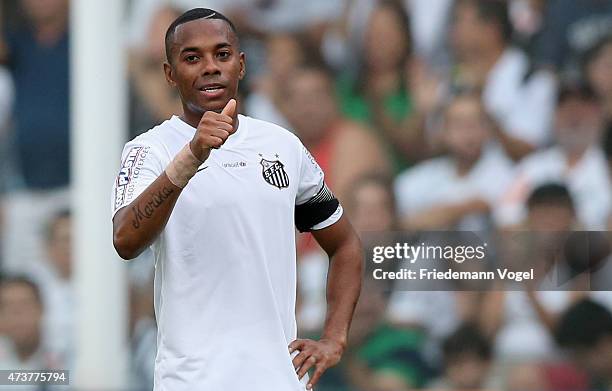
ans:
(274, 173)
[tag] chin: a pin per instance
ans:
(202, 107)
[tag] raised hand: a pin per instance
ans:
(213, 130)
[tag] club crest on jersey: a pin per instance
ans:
(274, 173)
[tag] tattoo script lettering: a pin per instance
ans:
(146, 211)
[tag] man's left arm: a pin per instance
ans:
(343, 247)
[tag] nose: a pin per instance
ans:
(210, 67)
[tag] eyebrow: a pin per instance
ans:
(197, 49)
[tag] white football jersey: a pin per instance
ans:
(225, 264)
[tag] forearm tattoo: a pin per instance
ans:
(146, 210)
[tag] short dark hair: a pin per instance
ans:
(188, 16)
(22, 280)
(550, 194)
(466, 339)
(583, 325)
(495, 11)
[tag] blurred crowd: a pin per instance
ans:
(456, 115)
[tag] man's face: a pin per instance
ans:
(466, 128)
(206, 64)
(468, 32)
(312, 102)
(41, 11)
(578, 124)
(554, 217)
(20, 313)
(372, 208)
(467, 372)
(384, 26)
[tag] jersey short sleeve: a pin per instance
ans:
(140, 166)
(316, 206)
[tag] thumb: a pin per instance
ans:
(230, 108)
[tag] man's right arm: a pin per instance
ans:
(139, 223)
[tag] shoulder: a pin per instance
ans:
(546, 157)
(264, 129)
(156, 138)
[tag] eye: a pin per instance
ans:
(223, 54)
(192, 58)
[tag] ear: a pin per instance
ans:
(242, 66)
(168, 74)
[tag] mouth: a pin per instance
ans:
(212, 91)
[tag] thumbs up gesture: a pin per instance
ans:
(213, 130)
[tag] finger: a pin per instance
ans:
(299, 359)
(223, 126)
(297, 344)
(220, 133)
(306, 366)
(215, 142)
(315, 377)
(230, 108)
(224, 118)
(214, 120)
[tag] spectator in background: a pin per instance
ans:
(37, 56)
(569, 28)
(285, 53)
(371, 204)
(21, 320)
(577, 160)
(520, 100)
(379, 357)
(371, 207)
(378, 95)
(467, 361)
(597, 69)
(54, 277)
(459, 190)
(428, 27)
(586, 330)
(332, 139)
(152, 100)
(523, 322)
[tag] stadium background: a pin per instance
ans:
(483, 115)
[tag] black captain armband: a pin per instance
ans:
(316, 210)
